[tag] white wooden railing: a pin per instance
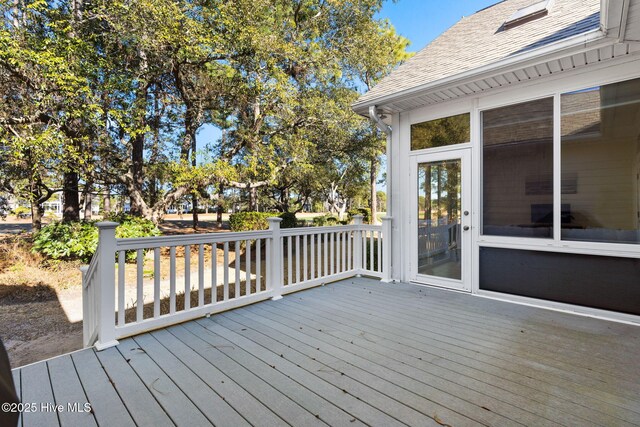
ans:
(191, 276)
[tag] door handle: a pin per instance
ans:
(465, 228)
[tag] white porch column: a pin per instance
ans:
(386, 250)
(106, 282)
(274, 273)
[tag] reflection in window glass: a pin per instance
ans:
(517, 170)
(439, 205)
(441, 132)
(601, 149)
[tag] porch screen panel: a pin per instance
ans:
(441, 132)
(601, 161)
(604, 282)
(517, 170)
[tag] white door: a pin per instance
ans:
(441, 219)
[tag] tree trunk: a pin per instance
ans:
(373, 177)
(253, 199)
(71, 206)
(88, 198)
(219, 209)
(137, 164)
(37, 212)
(106, 201)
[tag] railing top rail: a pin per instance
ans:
(91, 268)
(371, 227)
(300, 231)
(190, 239)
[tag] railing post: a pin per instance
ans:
(106, 310)
(386, 249)
(357, 245)
(85, 306)
(274, 275)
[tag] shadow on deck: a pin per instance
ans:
(351, 353)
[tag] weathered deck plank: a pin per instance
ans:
(269, 372)
(520, 354)
(17, 383)
(367, 337)
(356, 352)
(139, 401)
(105, 401)
(68, 393)
(216, 409)
(37, 394)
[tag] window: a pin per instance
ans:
(517, 170)
(441, 132)
(601, 149)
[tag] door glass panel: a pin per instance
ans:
(439, 210)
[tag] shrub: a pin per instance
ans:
(289, 220)
(250, 221)
(324, 220)
(79, 239)
(21, 211)
(365, 212)
(67, 240)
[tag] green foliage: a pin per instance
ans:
(21, 211)
(79, 239)
(289, 220)
(325, 220)
(365, 212)
(251, 221)
(133, 226)
(67, 240)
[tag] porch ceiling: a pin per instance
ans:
(496, 78)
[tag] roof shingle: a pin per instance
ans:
(478, 40)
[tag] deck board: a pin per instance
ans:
(356, 352)
(17, 383)
(106, 404)
(68, 392)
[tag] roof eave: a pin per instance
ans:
(585, 40)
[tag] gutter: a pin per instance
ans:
(513, 62)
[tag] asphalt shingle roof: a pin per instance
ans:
(478, 40)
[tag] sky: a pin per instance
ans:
(418, 20)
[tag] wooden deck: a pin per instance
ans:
(352, 353)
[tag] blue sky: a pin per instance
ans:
(423, 20)
(418, 20)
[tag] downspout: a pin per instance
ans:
(374, 115)
(387, 222)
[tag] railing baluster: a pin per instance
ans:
(156, 282)
(139, 285)
(297, 259)
(332, 261)
(201, 275)
(247, 281)
(338, 252)
(121, 271)
(305, 261)
(236, 247)
(326, 255)
(187, 277)
(258, 265)
(313, 256)
(349, 252)
(172, 279)
(371, 266)
(214, 272)
(379, 269)
(289, 261)
(343, 238)
(225, 269)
